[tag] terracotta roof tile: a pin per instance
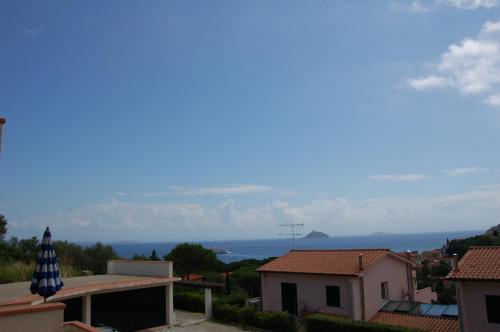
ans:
(479, 263)
(426, 323)
(331, 262)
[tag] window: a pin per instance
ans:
(384, 290)
(333, 296)
(493, 308)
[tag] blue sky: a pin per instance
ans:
(189, 120)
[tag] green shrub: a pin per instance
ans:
(277, 321)
(226, 312)
(19, 271)
(190, 301)
(238, 299)
(273, 321)
(324, 323)
(249, 317)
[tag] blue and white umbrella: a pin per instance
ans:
(46, 281)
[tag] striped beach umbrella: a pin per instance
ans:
(46, 281)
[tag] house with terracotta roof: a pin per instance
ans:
(354, 283)
(477, 281)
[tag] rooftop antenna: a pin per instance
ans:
(2, 122)
(292, 233)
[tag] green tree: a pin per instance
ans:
(495, 233)
(3, 227)
(191, 257)
(154, 256)
(69, 253)
(461, 246)
(441, 270)
(447, 296)
(248, 279)
(97, 256)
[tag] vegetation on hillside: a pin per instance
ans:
(432, 275)
(17, 257)
(460, 246)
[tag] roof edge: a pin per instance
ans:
(311, 273)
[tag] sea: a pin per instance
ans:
(260, 249)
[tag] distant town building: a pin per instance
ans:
(477, 281)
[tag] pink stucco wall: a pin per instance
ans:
(311, 292)
(388, 269)
(472, 302)
(311, 289)
(425, 295)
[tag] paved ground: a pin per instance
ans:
(193, 322)
(206, 326)
(196, 322)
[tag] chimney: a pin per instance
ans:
(408, 255)
(360, 262)
(455, 262)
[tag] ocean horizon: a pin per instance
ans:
(264, 248)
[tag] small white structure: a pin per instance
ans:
(354, 283)
(477, 281)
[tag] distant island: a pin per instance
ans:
(316, 235)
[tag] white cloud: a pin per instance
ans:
(463, 171)
(189, 221)
(425, 6)
(398, 177)
(428, 82)
(224, 190)
(493, 100)
(120, 193)
(472, 66)
(470, 4)
(490, 27)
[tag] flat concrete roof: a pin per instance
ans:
(19, 292)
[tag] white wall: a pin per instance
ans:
(472, 303)
(425, 295)
(388, 269)
(311, 289)
(140, 268)
(40, 321)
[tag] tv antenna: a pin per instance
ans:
(292, 232)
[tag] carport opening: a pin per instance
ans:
(130, 310)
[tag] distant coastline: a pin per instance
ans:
(264, 248)
(126, 242)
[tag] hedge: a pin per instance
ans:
(190, 301)
(226, 312)
(237, 299)
(324, 323)
(273, 321)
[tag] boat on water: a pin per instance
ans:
(220, 251)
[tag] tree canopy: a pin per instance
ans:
(3, 227)
(191, 257)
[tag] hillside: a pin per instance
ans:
(493, 231)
